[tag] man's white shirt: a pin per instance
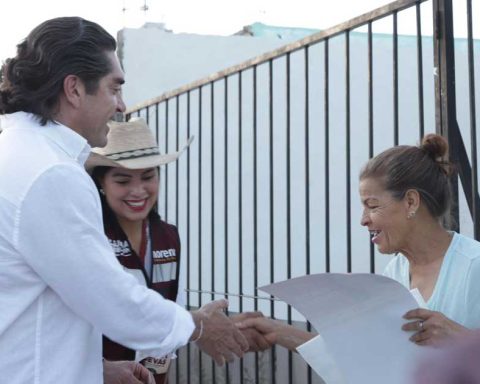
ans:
(61, 286)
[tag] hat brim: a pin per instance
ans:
(96, 160)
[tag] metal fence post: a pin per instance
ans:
(445, 102)
(446, 111)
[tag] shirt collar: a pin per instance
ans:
(73, 144)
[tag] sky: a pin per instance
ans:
(217, 17)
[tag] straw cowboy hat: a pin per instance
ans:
(131, 145)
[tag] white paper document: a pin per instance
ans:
(359, 319)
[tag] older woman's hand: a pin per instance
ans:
(432, 328)
(276, 332)
(256, 340)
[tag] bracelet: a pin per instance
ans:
(199, 333)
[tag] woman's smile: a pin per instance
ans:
(374, 234)
(136, 205)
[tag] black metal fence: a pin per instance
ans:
(268, 189)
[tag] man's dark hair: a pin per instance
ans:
(33, 79)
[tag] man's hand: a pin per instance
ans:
(126, 372)
(219, 337)
(256, 340)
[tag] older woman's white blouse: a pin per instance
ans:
(457, 290)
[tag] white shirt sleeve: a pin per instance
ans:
(59, 232)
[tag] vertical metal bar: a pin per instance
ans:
(158, 143)
(188, 258)
(225, 212)
(307, 180)
(288, 205)
(240, 205)
(200, 205)
(212, 199)
(271, 210)
(147, 112)
(445, 106)
(421, 108)
(395, 79)
(370, 121)
(255, 203)
(177, 128)
(156, 122)
(177, 365)
(347, 151)
(166, 166)
(473, 122)
(327, 155)
(370, 91)
(437, 32)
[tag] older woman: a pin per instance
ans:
(405, 192)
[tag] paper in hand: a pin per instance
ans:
(359, 319)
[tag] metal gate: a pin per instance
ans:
(268, 190)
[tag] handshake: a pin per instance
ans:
(219, 336)
(223, 337)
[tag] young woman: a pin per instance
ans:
(126, 173)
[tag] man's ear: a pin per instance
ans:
(74, 90)
(412, 200)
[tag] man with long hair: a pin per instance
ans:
(61, 286)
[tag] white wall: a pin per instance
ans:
(156, 61)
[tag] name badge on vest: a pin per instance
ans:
(156, 366)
